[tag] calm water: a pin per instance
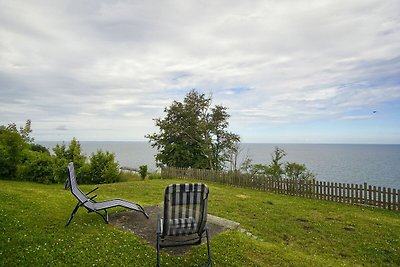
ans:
(375, 164)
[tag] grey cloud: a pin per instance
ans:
(61, 128)
(83, 64)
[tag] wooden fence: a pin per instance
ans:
(359, 194)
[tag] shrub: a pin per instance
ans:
(297, 171)
(37, 167)
(60, 171)
(12, 146)
(277, 169)
(102, 168)
(143, 171)
(21, 159)
(40, 148)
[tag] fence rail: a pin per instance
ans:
(359, 194)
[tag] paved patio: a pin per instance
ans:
(136, 223)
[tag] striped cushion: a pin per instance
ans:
(182, 226)
(185, 209)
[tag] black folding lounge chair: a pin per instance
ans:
(185, 217)
(93, 206)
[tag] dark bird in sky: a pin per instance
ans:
(374, 111)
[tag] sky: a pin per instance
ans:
(288, 71)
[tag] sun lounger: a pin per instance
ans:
(84, 200)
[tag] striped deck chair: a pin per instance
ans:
(185, 217)
(92, 206)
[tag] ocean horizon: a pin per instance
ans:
(375, 164)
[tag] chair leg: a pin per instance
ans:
(159, 222)
(73, 214)
(105, 216)
(158, 249)
(208, 248)
(66, 184)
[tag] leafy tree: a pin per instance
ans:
(24, 132)
(246, 165)
(60, 163)
(64, 155)
(275, 168)
(17, 149)
(193, 134)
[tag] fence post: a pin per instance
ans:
(365, 193)
(384, 197)
(398, 199)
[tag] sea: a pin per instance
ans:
(377, 165)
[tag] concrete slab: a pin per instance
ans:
(136, 223)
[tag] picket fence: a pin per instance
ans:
(358, 194)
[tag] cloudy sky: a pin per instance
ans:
(289, 71)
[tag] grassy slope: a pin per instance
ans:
(291, 231)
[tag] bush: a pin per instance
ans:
(143, 171)
(277, 169)
(37, 167)
(40, 148)
(60, 171)
(297, 171)
(11, 153)
(21, 159)
(102, 168)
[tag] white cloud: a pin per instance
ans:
(361, 117)
(101, 66)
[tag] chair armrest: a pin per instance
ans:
(91, 198)
(92, 191)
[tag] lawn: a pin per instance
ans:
(290, 231)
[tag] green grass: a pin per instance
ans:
(291, 231)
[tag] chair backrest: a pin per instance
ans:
(185, 209)
(82, 197)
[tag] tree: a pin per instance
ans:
(194, 134)
(24, 132)
(297, 171)
(64, 155)
(277, 169)
(20, 158)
